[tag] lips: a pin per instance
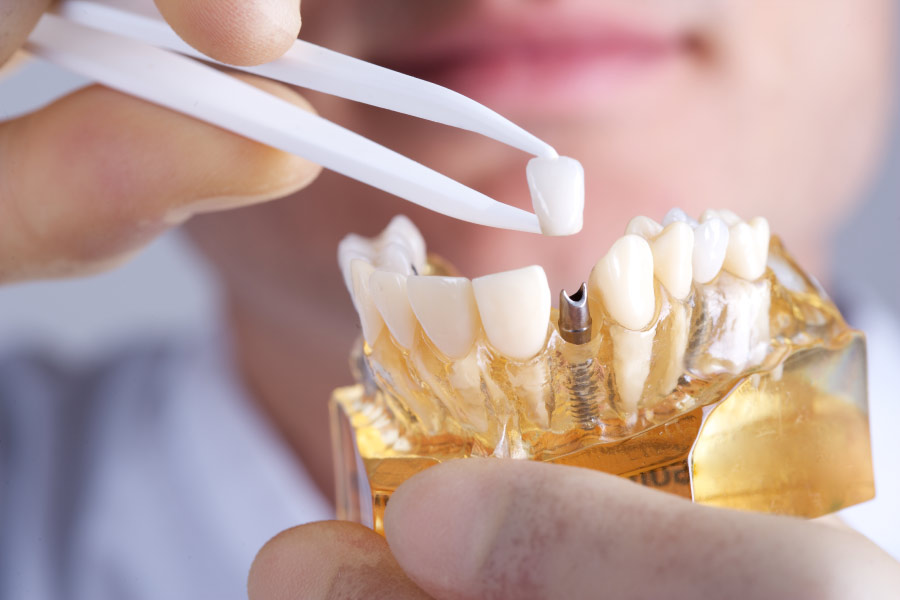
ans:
(552, 63)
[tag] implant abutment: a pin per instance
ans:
(575, 316)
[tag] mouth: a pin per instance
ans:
(554, 63)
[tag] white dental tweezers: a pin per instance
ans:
(139, 54)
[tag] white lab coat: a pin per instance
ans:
(153, 476)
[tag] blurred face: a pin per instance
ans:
(765, 107)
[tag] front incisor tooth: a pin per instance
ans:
(672, 253)
(557, 194)
(515, 310)
(369, 317)
(445, 307)
(710, 245)
(748, 249)
(388, 291)
(624, 280)
(644, 227)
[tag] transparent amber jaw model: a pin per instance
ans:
(754, 398)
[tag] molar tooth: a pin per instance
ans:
(557, 194)
(445, 307)
(644, 227)
(388, 291)
(726, 215)
(402, 230)
(675, 215)
(396, 258)
(710, 245)
(515, 310)
(624, 280)
(748, 249)
(369, 317)
(672, 251)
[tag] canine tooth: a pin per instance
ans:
(748, 249)
(676, 214)
(644, 227)
(631, 363)
(372, 323)
(395, 257)
(710, 245)
(388, 291)
(557, 194)
(672, 251)
(624, 280)
(445, 307)
(351, 247)
(515, 310)
(402, 230)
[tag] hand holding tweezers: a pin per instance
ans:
(140, 55)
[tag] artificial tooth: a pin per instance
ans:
(672, 253)
(446, 309)
(724, 214)
(710, 245)
(515, 310)
(631, 363)
(748, 249)
(372, 323)
(624, 280)
(644, 227)
(352, 247)
(388, 290)
(395, 257)
(402, 230)
(676, 214)
(557, 194)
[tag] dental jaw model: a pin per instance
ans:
(698, 358)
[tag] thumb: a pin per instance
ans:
(507, 529)
(237, 32)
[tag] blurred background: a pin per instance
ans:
(166, 289)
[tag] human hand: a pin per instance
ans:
(499, 529)
(91, 178)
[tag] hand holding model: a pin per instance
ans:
(504, 529)
(96, 175)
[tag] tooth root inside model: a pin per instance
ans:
(624, 280)
(369, 317)
(632, 352)
(515, 310)
(748, 249)
(445, 307)
(389, 294)
(557, 194)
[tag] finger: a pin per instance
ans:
(89, 179)
(517, 529)
(237, 32)
(17, 19)
(332, 559)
